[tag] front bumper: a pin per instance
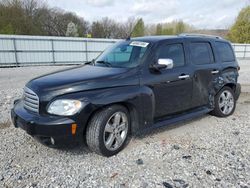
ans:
(43, 128)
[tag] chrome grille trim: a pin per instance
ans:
(31, 100)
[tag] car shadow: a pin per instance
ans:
(82, 148)
(151, 132)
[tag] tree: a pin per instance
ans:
(168, 31)
(72, 30)
(159, 29)
(139, 28)
(180, 27)
(240, 31)
(7, 29)
(33, 17)
(96, 30)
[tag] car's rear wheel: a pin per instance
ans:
(224, 103)
(108, 130)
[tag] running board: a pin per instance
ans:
(178, 118)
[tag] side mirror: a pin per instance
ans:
(163, 64)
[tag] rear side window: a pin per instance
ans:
(225, 51)
(172, 51)
(201, 53)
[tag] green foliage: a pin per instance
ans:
(7, 29)
(240, 31)
(139, 29)
(173, 28)
(33, 17)
(97, 29)
(159, 30)
(180, 27)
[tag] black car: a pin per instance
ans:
(135, 85)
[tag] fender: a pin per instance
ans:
(139, 100)
(228, 77)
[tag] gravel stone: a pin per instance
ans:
(187, 157)
(179, 181)
(167, 185)
(139, 161)
(209, 141)
(176, 147)
(208, 172)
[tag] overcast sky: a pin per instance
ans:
(202, 14)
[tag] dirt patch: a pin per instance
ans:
(5, 124)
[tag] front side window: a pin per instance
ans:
(172, 51)
(225, 51)
(123, 54)
(201, 53)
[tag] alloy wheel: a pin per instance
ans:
(226, 102)
(116, 130)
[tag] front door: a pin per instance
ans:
(172, 87)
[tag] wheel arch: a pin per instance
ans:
(133, 115)
(231, 85)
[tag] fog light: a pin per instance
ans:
(52, 141)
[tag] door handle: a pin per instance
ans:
(183, 76)
(215, 71)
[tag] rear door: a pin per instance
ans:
(206, 70)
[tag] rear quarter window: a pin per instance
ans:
(225, 51)
(201, 53)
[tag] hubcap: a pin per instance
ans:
(226, 102)
(115, 131)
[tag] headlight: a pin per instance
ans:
(65, 107)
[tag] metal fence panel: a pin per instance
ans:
(25, 50)
(242, 51)
(6, 44)
(33, 45)
(69, 46)
(7, 58)
(34, 57)
(70, 57)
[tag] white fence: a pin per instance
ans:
(36, 50)
(242, 51)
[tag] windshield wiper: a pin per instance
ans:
(105, 63)
(92, 62)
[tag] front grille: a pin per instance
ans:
(31, 100)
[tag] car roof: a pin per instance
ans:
(153, 39)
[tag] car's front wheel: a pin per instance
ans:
(108, 130)
(225, 103)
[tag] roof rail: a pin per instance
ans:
(199, 35)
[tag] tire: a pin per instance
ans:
(108, 130)
(225, 103)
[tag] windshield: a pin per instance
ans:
(123, 54)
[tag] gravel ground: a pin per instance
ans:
(205, 152)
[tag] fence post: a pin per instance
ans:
(15, 51)
(86, 48)
(53, 51)
(245, 51)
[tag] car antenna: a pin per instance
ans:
(130, 34)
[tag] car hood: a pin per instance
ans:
(81, 78)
